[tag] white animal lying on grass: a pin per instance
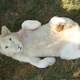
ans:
(58, 38)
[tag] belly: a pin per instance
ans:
(42, 49)
(40, 43)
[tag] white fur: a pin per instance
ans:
(55, 21)
(28, 46)
(31, 24)
(59, 20)
(73, 53)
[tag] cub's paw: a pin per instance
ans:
(46, 62)
(30, 24)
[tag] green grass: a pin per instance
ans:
(13, 13)
(71, 4)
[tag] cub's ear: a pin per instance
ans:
(5, 31)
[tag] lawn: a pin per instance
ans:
(13, 13)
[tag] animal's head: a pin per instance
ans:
(9, 43)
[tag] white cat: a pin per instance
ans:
(58, 38)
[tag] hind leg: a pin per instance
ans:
(30, 24)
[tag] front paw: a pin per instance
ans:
(30, 24)
(46, 62)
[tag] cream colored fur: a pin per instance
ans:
(58, 38)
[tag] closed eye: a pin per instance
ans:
(10, 39)
(6, 47)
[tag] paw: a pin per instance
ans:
(49, 60)
(31, 24)
(46, 62)
(57, 20)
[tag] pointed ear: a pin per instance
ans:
(5, 30)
